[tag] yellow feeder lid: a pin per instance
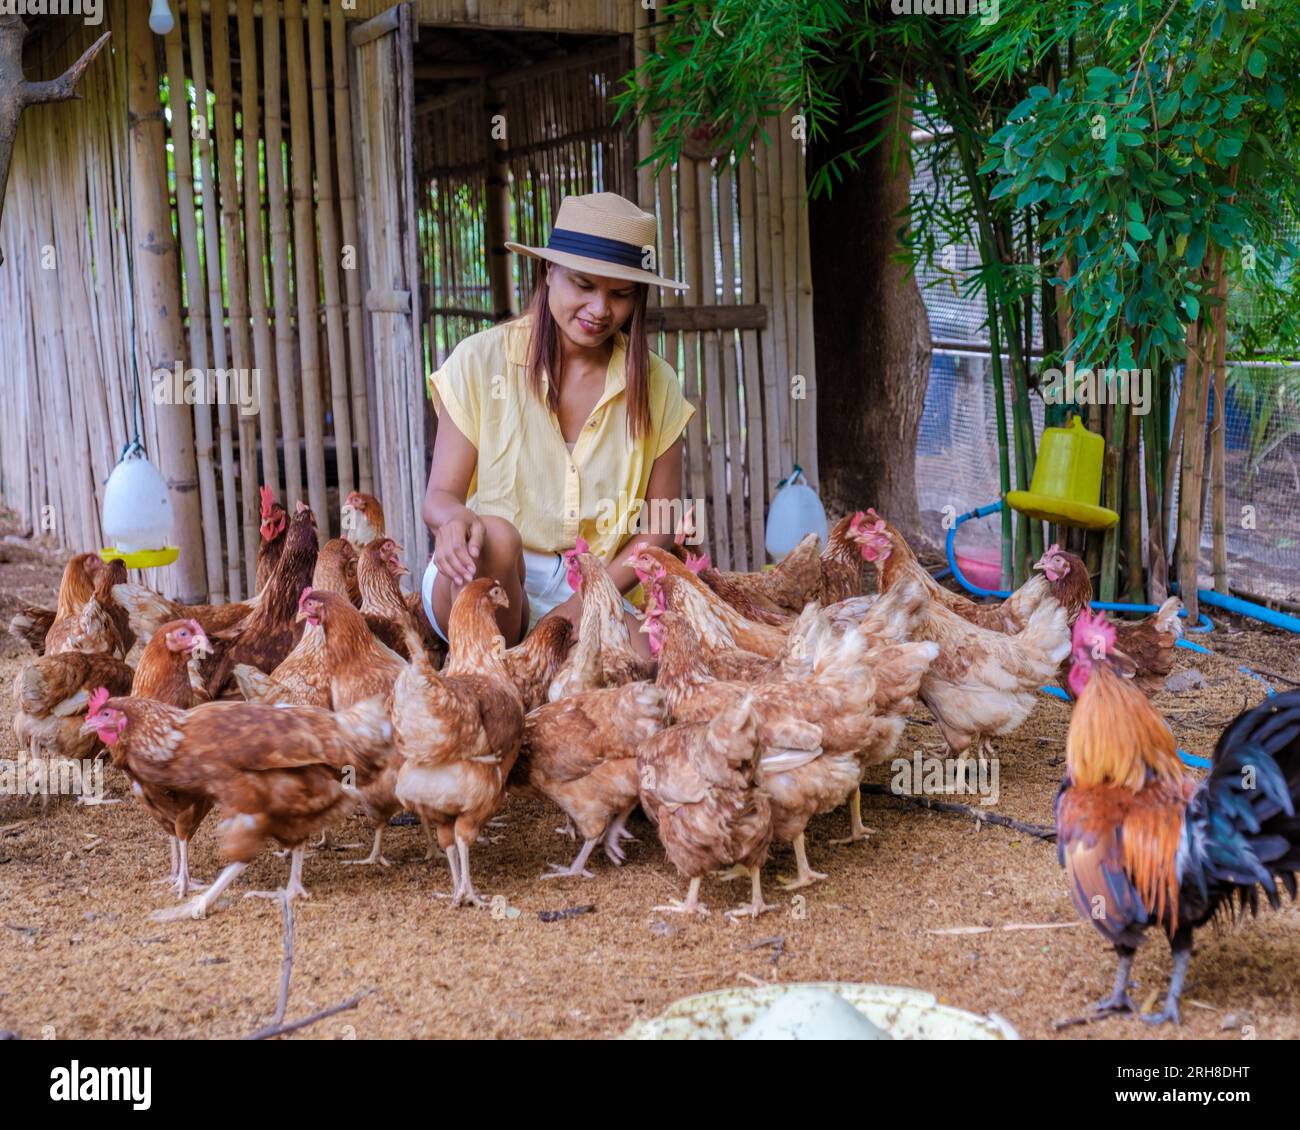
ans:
(1067, 480)
(142, 558)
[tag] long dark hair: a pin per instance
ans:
(544, 354)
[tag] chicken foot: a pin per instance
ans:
(199, 906)
(857, 829)
(374, 856)
(1182, 954)
(1119, 1000)
(179, 875)
(806, 876)
(616, 832)
(578, 868)
(465, 892)
(756, 904)
(690, 906)
(294, 888)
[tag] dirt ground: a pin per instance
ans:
(82, 959)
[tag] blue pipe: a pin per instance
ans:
(1204, 624)
(1248, 608)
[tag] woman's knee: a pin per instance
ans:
(501, 541)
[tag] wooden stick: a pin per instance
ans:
(1041, 831)
(263, 353)
(216, 305)
(329, 254)
(351, 275)
(304, 245)
(284, 1029)
(286, 342)
(157, 293)
(236, 286)
(198, 315)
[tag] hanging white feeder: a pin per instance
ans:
(137, 514)
(796, 512)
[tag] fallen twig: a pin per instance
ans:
(1041, 831)
(11, 829)
(1010, 927)
(284, 1029)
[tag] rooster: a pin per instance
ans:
(163, 675)
(275, 521)
(1144, 845)
(274, 770)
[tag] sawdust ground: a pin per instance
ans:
(80, 955)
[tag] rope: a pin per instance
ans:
(134, 444)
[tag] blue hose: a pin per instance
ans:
(1204, 624)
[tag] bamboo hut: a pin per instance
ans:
(253, 236)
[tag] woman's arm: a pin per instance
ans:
(665, 486)
(457, 530)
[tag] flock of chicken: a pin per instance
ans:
(768, 696)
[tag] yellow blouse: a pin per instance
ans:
(525, 472)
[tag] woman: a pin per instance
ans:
(557, 425)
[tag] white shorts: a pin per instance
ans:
(545, 581)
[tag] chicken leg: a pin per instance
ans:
(179, 875)
(756, 904)
(806, 876)
(1119, 1000)
(199, 906)
(374, 856)
(690, 906)
(465, 892)
(1182, 947)
(578, 868)
(294, 889)
(857, 829)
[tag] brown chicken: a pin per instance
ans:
(459, 732)
(719, 626)
(699, 787)
(275, 522)
(536, 660)
(274, 770)
(336, 570)
(1144, 649)
(33, 625)
(1009, 616)
(163, 675)
(731, 588)
(101, 627)
(813, 729)
(843, 574)
(266, 636)
(51, 696)
(302, 679)
(580, 753)
(362, 519)
(603, 655)
(983, 683)
(384, 605)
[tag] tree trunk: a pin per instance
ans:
(16, 93)
(871, 330)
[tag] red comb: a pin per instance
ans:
(98, 698)
(267, 500)
(697, 564)
(1090, 628)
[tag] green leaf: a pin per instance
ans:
(1192, 305)
(1130, 251)
(1134, 210)
(1226, 148)
(1054, 169)
(1256, 63)
(1196, 249)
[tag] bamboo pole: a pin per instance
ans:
(1195, 401)
(212, 271)
(1133, 509)
(263, 352)
(307, 280)
(157, 294)
(236, 285)
(1218, 435)
(286, 342)
(198, 315)
(1113, 493)
(329, 251)
(352, 268)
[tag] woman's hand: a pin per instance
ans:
(457, 544)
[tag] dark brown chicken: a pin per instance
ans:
(33, 624)
(274, 524)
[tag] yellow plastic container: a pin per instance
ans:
(1067, 480)
(142, 558)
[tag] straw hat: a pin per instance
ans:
(605, 235)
